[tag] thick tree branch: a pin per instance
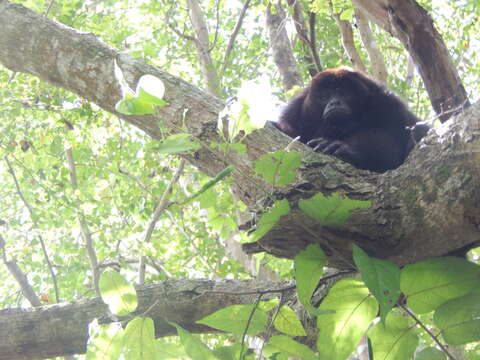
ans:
(61, 330)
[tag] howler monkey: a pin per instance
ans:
(349, 115)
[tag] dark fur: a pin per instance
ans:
(347, 114)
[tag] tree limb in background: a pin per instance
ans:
(162, 205)
(33, 217)
(180, 301)
(86, 234)
(348, 41)
(306, 35)
(20, 277)
(202, 44)
(414, 27)
(233, 36)
(281, 47)
(312, 18)
(378, 68)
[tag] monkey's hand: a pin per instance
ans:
(336, 148)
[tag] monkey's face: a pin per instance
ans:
(338, 104)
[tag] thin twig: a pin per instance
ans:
(169, 16)
(233, 37)
(40, 238)
(192, 243)
(253, 292)
(255, 306)
(182, 35)
(412, 315)
(162, 205)
(86, 234)
(217, 26)
(269, 329)
(49, 8)
(454, 110)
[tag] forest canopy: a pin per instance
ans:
(150, 211)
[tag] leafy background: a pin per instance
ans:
(121, 173)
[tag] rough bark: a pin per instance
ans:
(427, 207)
(281, 47)
(62, 330)
(413, 26)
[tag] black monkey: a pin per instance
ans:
(349, 115)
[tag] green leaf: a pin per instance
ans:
(288, 322)
(131, 105)
(244, 122)
(239, 120)
(287, 346)
(193, 346)
(56, 146)
(140, 339)
(459, 319)
(309, 265)
(177, 143)
(117, 293)
(105, 341)
(235, 318)
(148, 96)
(430, 353)
(269, 219)
(151, 90)
(341, 331)
(330, 210)
(230, 352)
(429, 283)
(381, 277)
(278, 168)
(268, 305)
(169, 351)
(394, 340)
(347, 14)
